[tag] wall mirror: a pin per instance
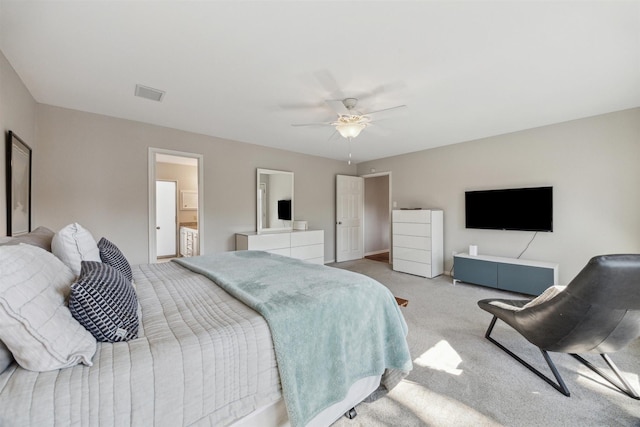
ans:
(275, 201)
(18, 158)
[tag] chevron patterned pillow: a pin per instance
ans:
(104, 301)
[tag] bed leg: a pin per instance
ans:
(351, 413)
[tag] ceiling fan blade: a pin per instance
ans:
(333, 135)
(375, 129)
(301, 106)
(337, 106)
(382, 89)
(385, 109)
(329, 83)
(311, 124)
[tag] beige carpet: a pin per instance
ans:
(461, 379)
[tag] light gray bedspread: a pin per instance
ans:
(330, 327)
(205, 359)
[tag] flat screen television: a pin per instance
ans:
(527, 209)
(284, 209)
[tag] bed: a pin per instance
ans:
(210, 351)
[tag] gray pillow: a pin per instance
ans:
(111, 255)
(105, 303)
(40, 237)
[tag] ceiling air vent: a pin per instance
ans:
(149, 93)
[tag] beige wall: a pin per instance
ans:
(95, 173)
(591, 163)
(17, 114)
(93, 169)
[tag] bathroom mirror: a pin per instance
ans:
(274, 201)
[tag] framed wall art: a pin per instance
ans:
(18, 159)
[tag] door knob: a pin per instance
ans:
(339, 222)
(157, 228)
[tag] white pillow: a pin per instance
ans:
(37, 326)
(548, 293)
(5, 357)
(74, 244)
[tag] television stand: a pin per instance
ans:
(509, 274)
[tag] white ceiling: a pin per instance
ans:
(246, 71)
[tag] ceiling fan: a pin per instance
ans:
(350, 122)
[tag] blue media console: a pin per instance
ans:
(509, 274)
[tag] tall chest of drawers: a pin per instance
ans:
(418, 242)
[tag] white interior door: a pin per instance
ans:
(349, 215)
(166, 193)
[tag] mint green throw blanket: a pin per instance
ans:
(330, 327)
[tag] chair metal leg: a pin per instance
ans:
(560, 385)
(625, 387)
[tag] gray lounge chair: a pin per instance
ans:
(598, 312)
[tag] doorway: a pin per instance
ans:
(175, 203)
(363, 217)
(377, 216)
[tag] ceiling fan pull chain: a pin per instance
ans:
(349, 142)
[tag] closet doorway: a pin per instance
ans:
(175, 212)
(377, 216)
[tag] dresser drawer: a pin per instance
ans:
(306, 245)
(284, 252)
(308, 252)
(266, 242)
(303, 238)
(413, 242)
(412, 216)
(407, 254)
(412, 229)
(411, 267)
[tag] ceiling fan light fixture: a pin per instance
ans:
(350, 130)
(350, 122)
